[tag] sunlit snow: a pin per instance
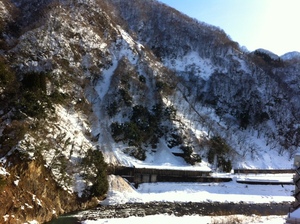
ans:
(171, 219)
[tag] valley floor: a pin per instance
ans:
(122, 192)
(227, 192)
(192, 219)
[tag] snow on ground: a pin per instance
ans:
(295, 214)
(3, 170)
(33, 222)
(291, 55)
(164, 159)
(198, 192)
(192, 219)
(103, 84)
(283, 177)
(121, 192)
(192, 63)
(215, 192)
(161, 159)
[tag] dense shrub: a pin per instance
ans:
(218, 149)
(9, 87)
(157, 109)
(174, 140)
(225, 164)
(261, 117)
(26, 98)
(95, 172)
(142, 79)
(143, 128)
(126, 97)
(244, 119)
(112, 109)
(6, 75)
(34, 104)
(58, 97)
(170, 112)
(188, 155)
(136, 152)
(34, 81)
(267, 59)
(2, 183)
(11, 135)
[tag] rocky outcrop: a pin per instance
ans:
(30, 193)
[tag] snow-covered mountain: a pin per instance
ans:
(247, 94)
(291, 56)
(141, 83)
(267, 52)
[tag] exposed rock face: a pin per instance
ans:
(31, 193)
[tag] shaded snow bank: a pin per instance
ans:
(295, 214)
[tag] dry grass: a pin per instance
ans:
(227, 220)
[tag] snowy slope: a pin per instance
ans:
(216, 83)
(140, 82)
(221, 87)
(271, 54)
(290, 56)
(115, 55)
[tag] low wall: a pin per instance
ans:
(263, 171)
(266, 182)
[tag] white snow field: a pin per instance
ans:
(122, 192)
(191, 220)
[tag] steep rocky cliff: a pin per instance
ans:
(29, 192)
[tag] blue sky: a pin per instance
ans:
(270, 24)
